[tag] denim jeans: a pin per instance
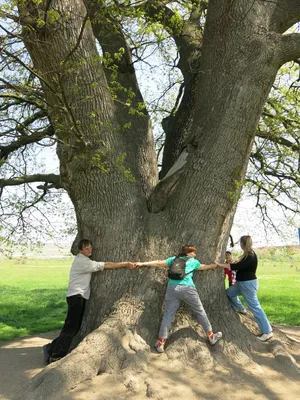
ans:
(189, 295)
(248, 289)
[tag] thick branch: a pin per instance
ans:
(289, 48)
(24, 140)
(47, 178)
(187, 34)
(32, 118)
(286, 14)
(109, 33)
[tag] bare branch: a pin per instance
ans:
(17, 59)
(30, 93)
(269, 194)
(278, 139)
(7, 15)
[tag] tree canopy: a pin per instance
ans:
(159, 44)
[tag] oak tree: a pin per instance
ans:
(77, 86)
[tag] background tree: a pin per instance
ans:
(77, 85)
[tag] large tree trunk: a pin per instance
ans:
(110, 174)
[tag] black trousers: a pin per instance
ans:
(60, 346)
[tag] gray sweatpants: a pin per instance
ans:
(189, 295)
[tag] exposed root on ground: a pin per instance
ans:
(283, 356)
(111, 347)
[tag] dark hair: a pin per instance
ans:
(188, 248)
(228, 252)
(84, 243)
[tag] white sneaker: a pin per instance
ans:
(216, 338)
(265, 336)
(160, 345)
(242, 311)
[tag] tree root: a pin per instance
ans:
(284, 357)
(111, 347)
(190, 351)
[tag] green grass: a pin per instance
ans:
(32, 296)
(279, 294)
(32, 292)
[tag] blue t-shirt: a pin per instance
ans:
(191, 265)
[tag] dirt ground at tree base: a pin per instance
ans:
(21, 359)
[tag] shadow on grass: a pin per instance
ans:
(24, 312)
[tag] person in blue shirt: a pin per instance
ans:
(182, 290)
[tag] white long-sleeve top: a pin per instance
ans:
(80, 275)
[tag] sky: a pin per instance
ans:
(248, 221)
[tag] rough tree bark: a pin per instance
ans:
(109, 171)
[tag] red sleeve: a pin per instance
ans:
(228, 273)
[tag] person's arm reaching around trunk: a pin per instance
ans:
(206, 267)
(157, 263)
(112, 265)
(224, 266)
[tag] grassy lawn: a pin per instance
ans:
(32, 296)
(32, 292)
(279, 294)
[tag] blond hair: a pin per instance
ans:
(246, 245)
